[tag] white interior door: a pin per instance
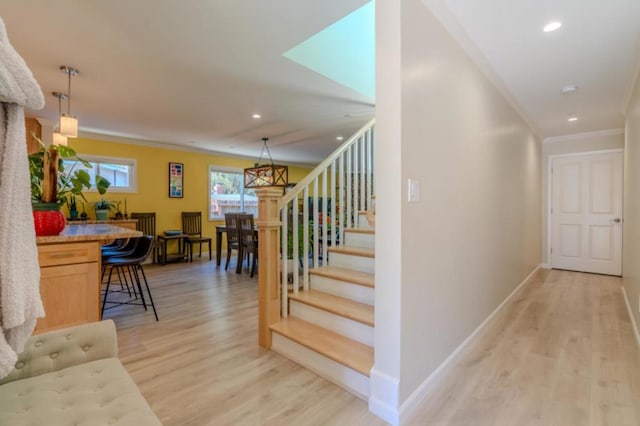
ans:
(586, 213)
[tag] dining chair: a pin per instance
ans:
(147, 225)
(233, 239)
(192, 228)
(248, 239)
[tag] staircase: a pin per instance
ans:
(318, 308)
(330, 327)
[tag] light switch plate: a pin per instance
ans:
(414, 190)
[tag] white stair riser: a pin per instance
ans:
(338, 324)
(335, 372)
(363, 223)
(341, 288)
(358, 239)
(353, 262)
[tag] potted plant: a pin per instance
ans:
(73, 207)
(103, 207)
(118, 215)
(52, 186)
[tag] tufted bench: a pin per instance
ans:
(73, 377)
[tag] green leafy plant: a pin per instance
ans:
(104, 204)
(70, 181)
(300, 242)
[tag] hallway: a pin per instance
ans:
(561, 353)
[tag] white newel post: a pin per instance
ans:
(268, 262)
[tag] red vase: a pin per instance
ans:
(48, 222)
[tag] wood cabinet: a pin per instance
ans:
(69, 284)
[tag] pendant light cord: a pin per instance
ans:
(265, 147)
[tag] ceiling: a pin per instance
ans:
(193, 72)
(597, 49)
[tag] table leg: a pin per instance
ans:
(218, 246)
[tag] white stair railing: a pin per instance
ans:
(331, 197)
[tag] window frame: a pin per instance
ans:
(133, 171)
(223, 169)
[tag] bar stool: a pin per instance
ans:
(131, 266)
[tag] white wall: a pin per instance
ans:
(475, 234)
(631, 227)
(570, 144)
(388, 187)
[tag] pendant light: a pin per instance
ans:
(68, 123)
(264, 175)
(59, 138)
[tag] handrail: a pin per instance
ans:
(315, 213)
(296, 190)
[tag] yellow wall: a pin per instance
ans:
(152, 180)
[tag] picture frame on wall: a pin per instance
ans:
(176, 180)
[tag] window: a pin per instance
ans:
(227, 193)
(120, 172)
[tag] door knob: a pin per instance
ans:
(616, 220)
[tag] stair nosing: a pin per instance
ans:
(334, 272)
(360, 231)
(354, 251)
(308, 344)
(319, 305)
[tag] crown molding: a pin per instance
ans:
(443, 14)
(584, 135)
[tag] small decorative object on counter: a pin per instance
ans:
(73, 207)
(47, 219)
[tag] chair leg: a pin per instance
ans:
(226, 265)
(149, 292)
(209, 243)
(240, 260)
(106, 291)
(137, 277)
(253, 264)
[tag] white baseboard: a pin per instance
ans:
(545, 266)
(631, 317)
(412, 402)
(384, 397)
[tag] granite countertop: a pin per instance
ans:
(89, 232)
(93, 221)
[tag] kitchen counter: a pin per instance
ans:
(89, 232)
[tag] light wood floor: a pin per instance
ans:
(201, 364)
(562, 353)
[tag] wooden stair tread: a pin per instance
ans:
(343, 274)
(355, 251)
(360, 312)
(360, 231)
(341, 349)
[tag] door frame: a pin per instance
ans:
(550, 192)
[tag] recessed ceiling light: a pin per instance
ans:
(339, 138)
(572, 119)
(568, 89)
(552, 26)
(256, 116)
